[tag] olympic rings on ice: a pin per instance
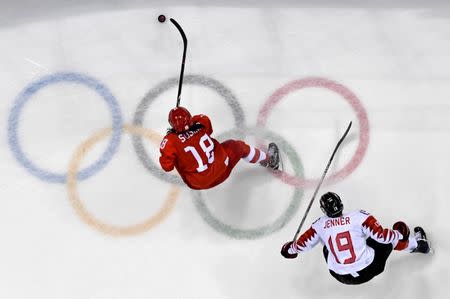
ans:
(355, 103)
(74, 174)
(25, 96)
(288, 213)
(88, 217)
(222, 90)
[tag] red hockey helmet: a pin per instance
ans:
(180, 119)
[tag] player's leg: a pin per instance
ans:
(382, 253)
(273, 157)
(249, 153)
(417, 243)
(342, 278)
(325, 253)
(237, 149)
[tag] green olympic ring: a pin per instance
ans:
(283, 219)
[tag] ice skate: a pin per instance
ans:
(423, 245)
(273, 157)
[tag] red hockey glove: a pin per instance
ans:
(285, 251)
(402, 228)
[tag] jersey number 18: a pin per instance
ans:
(207, 146)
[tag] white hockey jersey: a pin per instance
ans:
(345, 238)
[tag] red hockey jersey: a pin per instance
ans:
(199, 159)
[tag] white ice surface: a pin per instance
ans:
(394, 58)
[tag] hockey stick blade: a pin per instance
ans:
(183, 36)
(321, 181)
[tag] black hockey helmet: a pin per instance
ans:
(331, 204)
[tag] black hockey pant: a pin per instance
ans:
(382, 252)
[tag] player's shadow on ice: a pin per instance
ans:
(232, 199)
(403, 277)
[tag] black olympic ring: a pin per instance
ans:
(138, 119)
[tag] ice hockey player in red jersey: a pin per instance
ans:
(356, 247)
(201, 160)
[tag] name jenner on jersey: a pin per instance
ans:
(336, 221)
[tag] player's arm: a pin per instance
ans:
(372, 228)
(204, 121)
(305, 242)
(168, 155)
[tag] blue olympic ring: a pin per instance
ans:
(26, 95)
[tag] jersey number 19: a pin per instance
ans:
(344, 243)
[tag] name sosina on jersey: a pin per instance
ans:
(184, 136)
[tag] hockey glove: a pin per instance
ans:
(286, 251)
(402, 228)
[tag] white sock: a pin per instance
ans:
(412, 243)
(255, 155)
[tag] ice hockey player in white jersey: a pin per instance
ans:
(356, 247)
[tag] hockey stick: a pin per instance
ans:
(180, 83)
(321, 181)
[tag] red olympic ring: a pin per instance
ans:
(355, 103)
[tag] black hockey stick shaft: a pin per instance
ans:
(180, 83)
(321, 181)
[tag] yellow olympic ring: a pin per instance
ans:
(90, 219)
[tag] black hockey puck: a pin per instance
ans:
(161, 18)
